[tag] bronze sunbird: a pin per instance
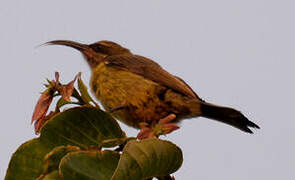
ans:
(138, 90)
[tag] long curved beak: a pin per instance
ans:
(75, 45)
(92, 58)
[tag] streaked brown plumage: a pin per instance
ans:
(139, 90)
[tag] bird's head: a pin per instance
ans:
(96, 52)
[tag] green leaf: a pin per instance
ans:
(51, 176)
(92, 165)
(53, 158)
(77, 96)
(61, 102)
(80, 126)
(84, 92)
(27, 162)
(148, 158)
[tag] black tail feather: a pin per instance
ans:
(229, 116)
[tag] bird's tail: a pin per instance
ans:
(227, 115)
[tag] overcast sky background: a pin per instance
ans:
(234, 53)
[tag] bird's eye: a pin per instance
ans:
(96, 47)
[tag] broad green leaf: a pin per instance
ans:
(89, 165)
(27, 162)
(53, 158)
(80, 126)
(148, 158)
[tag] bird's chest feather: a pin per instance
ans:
(139, 97)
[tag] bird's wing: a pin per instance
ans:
(189, 88)
(151, 70)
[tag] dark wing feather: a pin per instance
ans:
(151, 70)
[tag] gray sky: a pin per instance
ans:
(234, 53)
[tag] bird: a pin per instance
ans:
(137, 91)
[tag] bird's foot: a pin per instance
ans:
(164, 126)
